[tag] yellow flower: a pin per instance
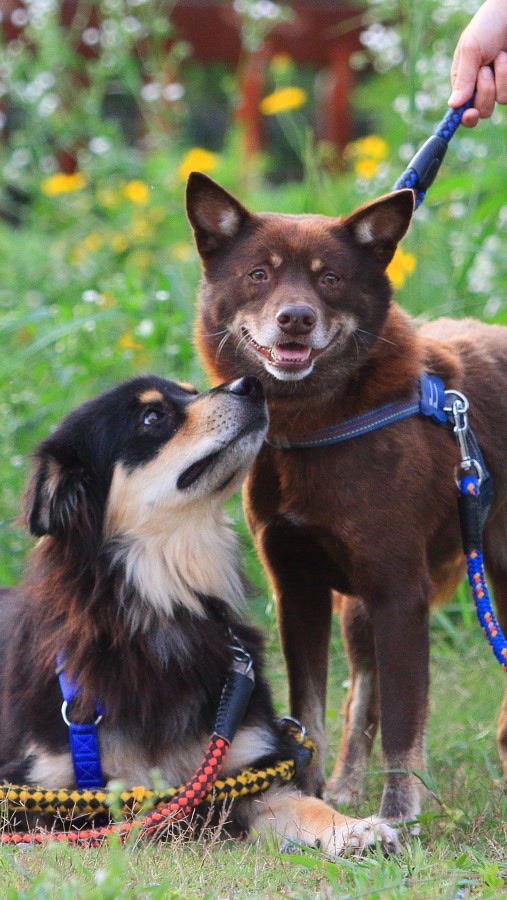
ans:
(372, 146)
(108, 198)
(61, 183)
(366, 154)
(141, 259)
(141, 228)
(182, 250)
(92, 242)
(366, 168)
(119, 243)
(401, 266)
(137, 192)
(127, 342)
(197, 160)
(283, 100)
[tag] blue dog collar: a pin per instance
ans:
(83, 737)
(429, 402)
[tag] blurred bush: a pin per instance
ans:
(97, 268)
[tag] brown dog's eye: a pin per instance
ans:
(258, 275)
(153, 416)
(330, 279)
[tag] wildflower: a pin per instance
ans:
(61, 183)
(372, 146)
(92, 242)
(366, 168)
(402, 265)
(283, 100)
(182, 250)
(141, 228)
(119, 243)
(197, 160)
(367, 153)
(127, 342)
(137, 192)
(107, 198)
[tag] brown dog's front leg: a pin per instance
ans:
(361, 711)
(304, 619)
(400, 625)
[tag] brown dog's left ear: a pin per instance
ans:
(380, 225)
(214, 214)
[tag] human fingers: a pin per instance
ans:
(485, 93)
(501, 76)
(465, 66)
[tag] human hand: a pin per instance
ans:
(480, 63)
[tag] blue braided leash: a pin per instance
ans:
(419, 175)
(470, 496)
(423, 167)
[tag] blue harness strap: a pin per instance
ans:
(83, 737)
(430, 402)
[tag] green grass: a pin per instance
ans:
(463, 829)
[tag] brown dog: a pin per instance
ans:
(303, 303)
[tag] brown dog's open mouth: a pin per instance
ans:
(287, 355)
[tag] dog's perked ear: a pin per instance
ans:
(56, 498)
(380, 225)
(215, 215)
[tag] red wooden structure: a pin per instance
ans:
(321, 33)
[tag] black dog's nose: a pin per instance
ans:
(247, 387)
(297, 318)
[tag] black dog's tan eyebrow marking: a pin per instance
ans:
(151, 396)
(187, 386)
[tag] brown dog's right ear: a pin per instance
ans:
(214, 214)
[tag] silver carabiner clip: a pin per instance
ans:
(458, 414)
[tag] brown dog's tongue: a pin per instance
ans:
(291, 352)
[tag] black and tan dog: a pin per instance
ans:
(303, 303)
(135, 582)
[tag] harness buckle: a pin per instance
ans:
(68, 722)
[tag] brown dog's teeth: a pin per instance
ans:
(291, 352)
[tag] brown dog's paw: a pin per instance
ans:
(345, 790)
(360, 834)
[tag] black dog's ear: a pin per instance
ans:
(214, 214)
(380, 225)
(55, 498)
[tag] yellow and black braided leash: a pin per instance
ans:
(73, 803)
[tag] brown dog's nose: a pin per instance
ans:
(296, 319)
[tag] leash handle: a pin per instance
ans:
(423, 167)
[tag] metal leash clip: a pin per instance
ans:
(457, 411)
(241, 659)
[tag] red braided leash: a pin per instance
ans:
(155, 823)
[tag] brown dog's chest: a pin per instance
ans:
(364, 503)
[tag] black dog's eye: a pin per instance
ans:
(330, 279)
(258, 275)
(153, 416)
